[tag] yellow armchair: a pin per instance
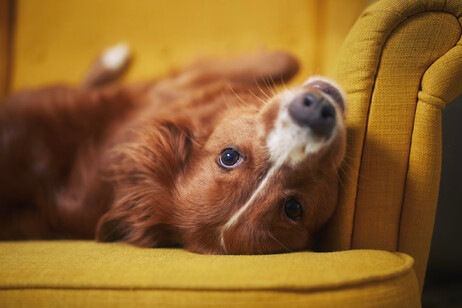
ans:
(400, 65)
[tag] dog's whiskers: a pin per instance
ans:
(259, 87)
(256, 96)
(228, 107)
(279, 242)
(270, 84)
(241, 100)
(283, 83)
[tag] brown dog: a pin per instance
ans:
(210, 158)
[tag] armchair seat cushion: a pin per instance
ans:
(76, 273)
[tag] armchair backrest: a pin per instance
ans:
(400, 65)
(49, 41)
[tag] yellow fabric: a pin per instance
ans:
(335, 21)
(400, 65)
(440, 85)
(163, 34)
(79, 272)
(56, 40)
(422, 183)
(390, 183)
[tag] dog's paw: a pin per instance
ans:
(109, 66)
(116, 57)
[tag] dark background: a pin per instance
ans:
(443, 283)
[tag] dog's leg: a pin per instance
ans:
(263, 68)
(108, 67)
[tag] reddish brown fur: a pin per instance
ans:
(139, 164)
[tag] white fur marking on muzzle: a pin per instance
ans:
(289, 143)
(257, 191)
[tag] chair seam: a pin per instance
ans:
(435, 105)
(400, 270)
(359, 283)
(405, 18)
(413, 128)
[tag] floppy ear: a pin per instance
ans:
(135, 229)
(143, 171)
(330, 88)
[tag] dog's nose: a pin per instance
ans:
(315, 112)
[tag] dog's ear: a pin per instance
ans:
(330, 88)
(143, 171)
(136, 229)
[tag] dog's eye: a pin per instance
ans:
(292, 208)
(229, 157)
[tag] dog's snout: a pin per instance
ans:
(315, 112)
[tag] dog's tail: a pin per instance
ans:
(108, 67)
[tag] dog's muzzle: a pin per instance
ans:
(314, 111)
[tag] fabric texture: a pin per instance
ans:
(80, 272)
(56, 40)
(400, 65)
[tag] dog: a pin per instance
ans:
(210, 158)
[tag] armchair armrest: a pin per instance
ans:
(400, 65)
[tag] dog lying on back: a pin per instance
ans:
(210, 159)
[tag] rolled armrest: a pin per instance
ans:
(400, 65)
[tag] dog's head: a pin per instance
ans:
(259, 180)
